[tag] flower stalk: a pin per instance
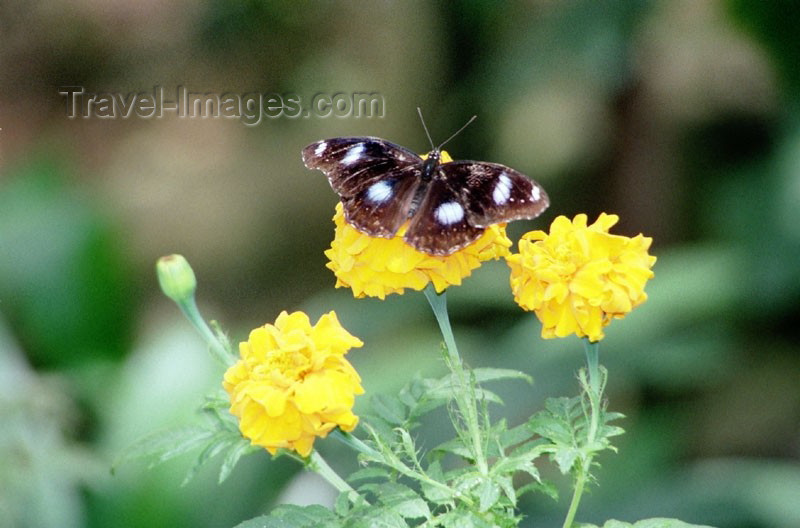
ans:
(464, 392)
(321, 467)
(178, 282)
(593, 387)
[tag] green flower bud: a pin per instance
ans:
(176, 278)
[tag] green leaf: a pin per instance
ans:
(462, 519)
(507, 485)
(514, 464)
(547, 488)
(237, 450)
(556, 422)
(219, 441)
(647, 523)
(388, 408)
(164, 445)
(373, 518)
(436, 494)
(488, 493)
(514, 436)
(415, 391)
(565, 457)
(343, 504)
(482, 375)
(289, 515)
(401, 499)
(371, 472)
(454, 446)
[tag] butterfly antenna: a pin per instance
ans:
(419, 111)
(473, 118)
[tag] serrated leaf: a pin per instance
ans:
(483, 375)
(414, 391)
(565, 458)
(436, 494)
(375, 518)
(217, 443)
(488, 493)
(400, 499)
(342, 504)
(551, 427)
(427, 405)
(532, 450)
(408, 444)
(648, 523)
(454, 446)
(388, 408)
(467, 482)
(290, 515)
(568, 408)
(545, 487)
(507, 486)
(237, 450)
(164, 445)
(371, 472)
(444, 394)
(612, 430)
(511, 465)
(514, 436)
(462, 519)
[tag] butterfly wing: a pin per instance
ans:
(465, 197)
(440, 225)
(375, 179)
(493, 193)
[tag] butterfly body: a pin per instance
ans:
(448, 205)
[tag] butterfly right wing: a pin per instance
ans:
(493, 193)
(441, 226)
(376, 180)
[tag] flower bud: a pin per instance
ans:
(176, 278)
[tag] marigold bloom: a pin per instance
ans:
(293, 383)
(578, 278)
(377, 267)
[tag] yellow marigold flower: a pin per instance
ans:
(578, 278)
(377, 267)
(293, 383)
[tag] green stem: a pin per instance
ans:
(438, 303)
(218, 351)
(576, 499)
(354, 442)
(594, 386)
(321, 467)
(464, 394)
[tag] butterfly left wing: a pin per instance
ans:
(375, 179)
(493, 193)
(351, 163)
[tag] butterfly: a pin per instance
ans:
(448, 205)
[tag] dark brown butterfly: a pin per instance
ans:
(381, 185)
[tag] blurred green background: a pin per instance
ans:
(683, 117)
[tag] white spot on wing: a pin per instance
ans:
(536, 194)
(379, 192)
(320, 148)
(502, 189)
(353, 154)
(449, 213)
